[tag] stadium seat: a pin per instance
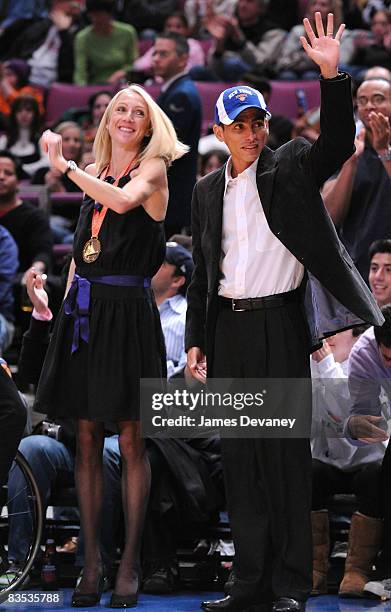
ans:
(283, 99)
(63, 96)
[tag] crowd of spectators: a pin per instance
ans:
(169, 46)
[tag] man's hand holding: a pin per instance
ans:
(196, 364)
(321, 353)
(37, 294)
(324, 48)
(365, 428)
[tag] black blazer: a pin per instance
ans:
(182, 103)
(335, 297)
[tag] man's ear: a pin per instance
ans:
(177, 282)
(218, 132)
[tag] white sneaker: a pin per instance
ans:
(380, 588)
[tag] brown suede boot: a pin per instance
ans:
(364, 543)
(320, 555)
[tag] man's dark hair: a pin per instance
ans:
(383, 332)
(360, 329)
(107, 6)
(180, 15)
(181, 44)
(379, 246)
(15, 160)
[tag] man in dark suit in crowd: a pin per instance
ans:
(180, 100)
(265, 251)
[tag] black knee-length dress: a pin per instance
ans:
(100, 380)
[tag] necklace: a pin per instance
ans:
(93, 247)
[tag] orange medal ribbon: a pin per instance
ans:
(93, 247)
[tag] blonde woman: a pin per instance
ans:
(108, 335)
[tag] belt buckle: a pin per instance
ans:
(236, 309)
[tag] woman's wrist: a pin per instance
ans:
(61, 165)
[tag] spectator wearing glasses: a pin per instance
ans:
(358, 197)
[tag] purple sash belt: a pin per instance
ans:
(77, 302)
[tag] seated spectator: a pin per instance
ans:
(106, 49)
(376, 48)
(357, 199)
(285, 13)
(293, 62)
(378, 72)
(169, 286)
(72, 143)
(369, 371)
(89, 117)
(308, 125)
(23, 133)
(246, 41)
(357, 13)
(22, 9)
(14, 76)
(340, 467)
(196, 12)
(47, 44)
(28, 225)
(380, 271)
(148, 17)
(176, 22)
(8, 269)
(214, 159)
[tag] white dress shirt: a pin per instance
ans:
(331, 404)
(254, 263)
(173, 319)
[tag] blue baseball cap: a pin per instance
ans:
(181, 258)
(231, 102)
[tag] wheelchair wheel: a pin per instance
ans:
(32, 508)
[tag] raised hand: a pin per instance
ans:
(51, 144)
(381, 131)
(324, 48)
(359, 143)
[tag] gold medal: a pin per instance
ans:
(93, 247)
(91, 250)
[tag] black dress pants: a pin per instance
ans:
(268, 480)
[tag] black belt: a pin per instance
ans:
(259, 303)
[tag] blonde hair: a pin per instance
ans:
(71, 125)
(66, 125)
(163, 142)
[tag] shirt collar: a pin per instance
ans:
(177, 303)
(249, 173)
(167, 84)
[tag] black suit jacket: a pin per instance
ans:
(335, 296)
(182, 103)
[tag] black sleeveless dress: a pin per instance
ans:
(100, 380)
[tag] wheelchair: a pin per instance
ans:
(11, 580)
